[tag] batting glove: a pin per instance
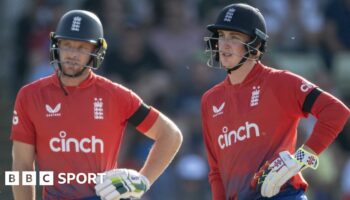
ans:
(122, 183)
(271, 177)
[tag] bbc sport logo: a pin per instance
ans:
(47, 178)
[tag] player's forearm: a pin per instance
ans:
(162, 153)
(23, 160)
(23, 192)
(331, 117)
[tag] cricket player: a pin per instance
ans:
(250, 119)
(74, 120)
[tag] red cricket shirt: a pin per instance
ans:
(246, 124)
(77, 133)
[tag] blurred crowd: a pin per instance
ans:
(156, 48)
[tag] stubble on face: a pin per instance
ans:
(74, 55)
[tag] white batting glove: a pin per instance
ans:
(122, 183)
(284, 167)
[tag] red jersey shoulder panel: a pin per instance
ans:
(22, 125)
(130, 102)
(291, 90)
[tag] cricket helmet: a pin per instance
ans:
(79, 25)
(242, 18)
(245, 19)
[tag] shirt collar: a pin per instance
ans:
(252, 75)
(86, 83)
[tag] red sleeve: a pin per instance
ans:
(217, 187)
(22, 127)
(148, 122)
(292, 90)
(331, 116)
(130, 103)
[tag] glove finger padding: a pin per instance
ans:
(283, 168)
(122, 183)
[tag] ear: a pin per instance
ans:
(258, 53)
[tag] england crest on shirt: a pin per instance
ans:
(254, 100)
(98, 108)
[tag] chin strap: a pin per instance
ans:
(59, 75)
(249, 51)
(239, 65)
(60, 72)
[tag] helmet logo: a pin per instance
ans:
(76, 23)
(229, 15)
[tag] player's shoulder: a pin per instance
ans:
(274, 74)
(37, 85)
(107, 84)
(216, 90)
(284, 80)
